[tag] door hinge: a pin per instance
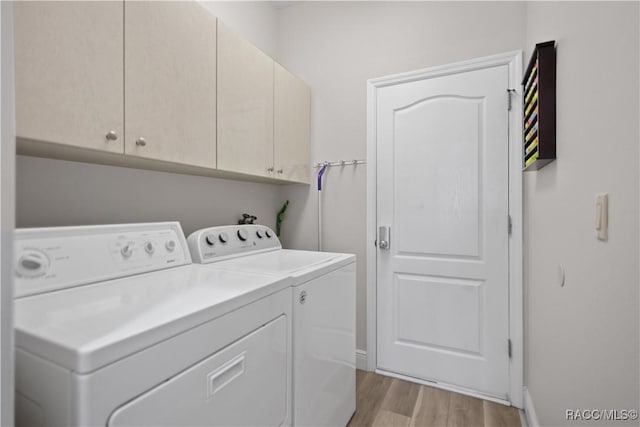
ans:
(509, 347)
(509, 224)
(509, 92)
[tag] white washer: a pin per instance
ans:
(115, 326)
(323, 301)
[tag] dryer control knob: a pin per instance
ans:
(148, 247)
(242, 234)
(223, 237)
(260, 234)
(210, 239)
(32, 263)
(268, 233)
(126, 250)
(170, 245)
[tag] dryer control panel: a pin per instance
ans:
(49, 259)
(229, 241)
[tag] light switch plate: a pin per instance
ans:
(602, 216)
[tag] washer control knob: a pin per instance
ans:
(223, 237)
(268, 233)
(260, 234)
(170, 245)
(148, 247)
(243, 234)
(126, 250)
(32, 263)
(210, 239)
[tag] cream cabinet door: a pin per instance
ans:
(69, 86)
(291, 126)
(170, 82)
(245, 106)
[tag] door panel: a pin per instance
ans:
(69, 81)
(245, 384)
(245, 106)
(452, 306)
(170, 82)
(443, 191)
(446, 169)
(291, 126)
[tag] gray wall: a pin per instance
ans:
(254, 20)
(53, 192)
(56, 192)
(582, 348)
(336, 47)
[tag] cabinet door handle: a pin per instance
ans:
(269, 169)
(111, 135)
(280, 171)
(141, 142)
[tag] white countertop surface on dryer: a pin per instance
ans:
(87, 327)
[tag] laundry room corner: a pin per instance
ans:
(317, 40)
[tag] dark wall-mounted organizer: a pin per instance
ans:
(539, 111)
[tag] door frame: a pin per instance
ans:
(516, 316)
(7, 211)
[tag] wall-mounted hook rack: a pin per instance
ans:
(340, 163)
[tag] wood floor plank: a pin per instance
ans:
(373, 389)
(390, 419)
(465, 411)
(497, 415)
(360, 375)
(389, 402)
(401, 397)
(432, 408)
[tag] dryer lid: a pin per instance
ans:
(87, 327)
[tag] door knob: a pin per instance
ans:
(383, 237)
(141, 142)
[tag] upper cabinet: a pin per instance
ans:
(155, 85)
(69, 84)
(291, 126)
(170, 82)
(245, 106)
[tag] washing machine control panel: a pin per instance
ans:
(227, 241)
(48, 259)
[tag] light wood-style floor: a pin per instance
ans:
(386, 401)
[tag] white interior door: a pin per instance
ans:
(442, 189)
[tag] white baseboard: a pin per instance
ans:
(529, 410)
(523, 418)
(361, 360)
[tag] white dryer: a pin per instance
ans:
(323, 301)
(115, 326)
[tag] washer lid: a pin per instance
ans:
(88, 327)
(289, 262)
